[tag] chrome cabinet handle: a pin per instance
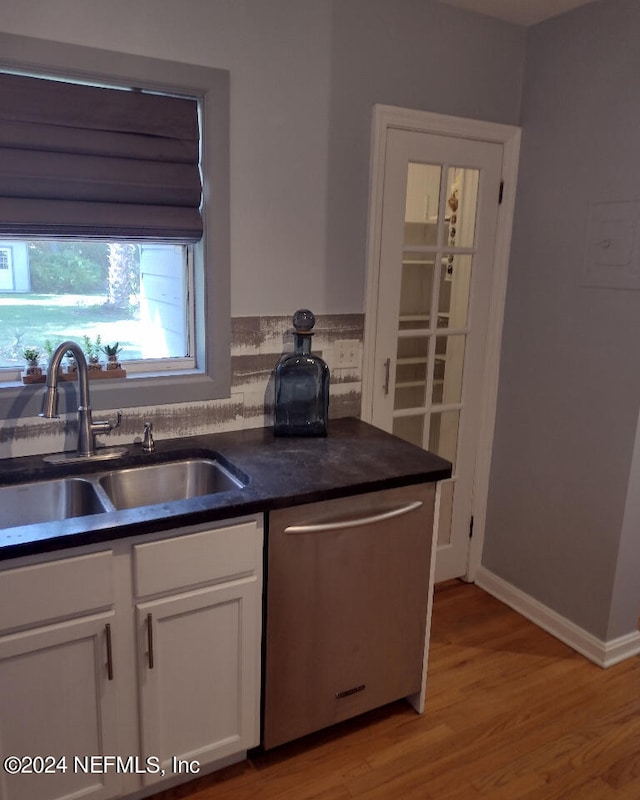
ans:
(354, 523)
(150, 639)
(107, 631)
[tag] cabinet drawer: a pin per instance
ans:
(195, 558)
(38, 593)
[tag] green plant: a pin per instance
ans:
(111, 349)
(92, 348)
(31, 354)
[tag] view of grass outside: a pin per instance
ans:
(32, 320)
(79, 289)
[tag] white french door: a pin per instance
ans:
(430, 296)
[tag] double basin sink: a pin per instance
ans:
(114, 490)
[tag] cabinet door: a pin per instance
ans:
(199, 674)
(57, 699)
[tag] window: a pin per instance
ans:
(136, 295)
(176, 351)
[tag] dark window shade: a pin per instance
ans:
(91, 162)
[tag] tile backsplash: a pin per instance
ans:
(256, 345)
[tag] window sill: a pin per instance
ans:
(94, 374)
(137, 390)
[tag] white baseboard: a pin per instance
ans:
(602, 653)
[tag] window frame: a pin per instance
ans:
(211, 269)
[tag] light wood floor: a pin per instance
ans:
(511, 713)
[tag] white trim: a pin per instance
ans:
(511, 154)
(384, 118)
(603, 653)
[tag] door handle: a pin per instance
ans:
(354, 523)
(387, 369)
(150, 639)
(107, 632)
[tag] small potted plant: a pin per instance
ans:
(49, 348)
(111, 352)
(31, 356)
(92, 351)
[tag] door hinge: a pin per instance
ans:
(500, 192)
(471, 528)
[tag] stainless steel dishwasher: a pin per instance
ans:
(348, 586)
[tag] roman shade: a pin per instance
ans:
(80, 161)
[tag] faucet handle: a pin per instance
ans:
(105, 425)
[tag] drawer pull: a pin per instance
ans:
(107, 631)
(150, 639)
(354, 523)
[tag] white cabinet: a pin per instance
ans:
(57, 700)
(199, 648)
(147, 650)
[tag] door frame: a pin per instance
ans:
(387, 117)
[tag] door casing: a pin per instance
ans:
(388, 117)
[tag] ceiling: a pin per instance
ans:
(520, 12)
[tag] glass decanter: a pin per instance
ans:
(301, 385)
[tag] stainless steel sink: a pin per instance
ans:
(48, 501)
(118, 489)
(167, 482)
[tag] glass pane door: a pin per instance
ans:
(436, 272)
(437, 225)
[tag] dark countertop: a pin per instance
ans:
(279, 471)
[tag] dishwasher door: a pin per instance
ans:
(348, 586)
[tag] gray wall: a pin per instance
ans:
(570, 383)
(415, 54)
(304, 77)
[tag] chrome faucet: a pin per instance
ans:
(87, 428)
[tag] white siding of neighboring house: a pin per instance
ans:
(14, 267)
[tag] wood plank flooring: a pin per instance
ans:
(511, 713)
